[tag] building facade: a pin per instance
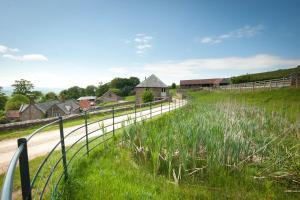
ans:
(109, 96)
(155, 85)
(199, 83)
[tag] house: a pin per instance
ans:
(13, 115)
(90, 99)
(199, 83)
(155, 85)
(54, 108)
(109, 96)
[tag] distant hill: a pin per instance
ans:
(8, 90)
(265, 75)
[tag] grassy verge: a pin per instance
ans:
(223, 145)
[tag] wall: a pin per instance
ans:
(31, 113)
(156, 92)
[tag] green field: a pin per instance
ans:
(265, 75)
(222, 145)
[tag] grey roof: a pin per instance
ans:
(152, 82)
(86, 98)
(68, 106)
(41, 106)
(46, 105)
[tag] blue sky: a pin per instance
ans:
(65, 43)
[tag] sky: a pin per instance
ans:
(62, 43)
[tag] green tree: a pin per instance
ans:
(102, 88)
(37, 95)
(16, 101)
(147, 96)
(173, 86)
(90, 90)
(3, 99)
(23, 87)
(50, 96)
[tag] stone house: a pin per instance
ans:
(86, 101)
(109, 96)
(48, 109)
(155, 85)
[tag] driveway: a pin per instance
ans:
(43, 142)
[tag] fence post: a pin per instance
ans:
(63, 150)
(161, 107)
(86, 134)
(24, 170)
(134, 113)
(113, 116)
(150, 110)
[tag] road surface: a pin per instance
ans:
(43, 142)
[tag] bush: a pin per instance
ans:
(147, 96)
(16, 101)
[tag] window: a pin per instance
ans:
(163, 89)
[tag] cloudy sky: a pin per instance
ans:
(62, 43)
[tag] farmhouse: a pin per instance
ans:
(47, 109)
(199, 83)
(155, 85)
(109, 96)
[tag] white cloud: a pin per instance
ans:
(244, 32)
(3, 49)
(29, 57)
(142, 43)
(173, 71)
(10, 53)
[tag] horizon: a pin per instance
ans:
(63, 44)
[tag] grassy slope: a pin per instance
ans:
(265, 75)
(119, 177)
(114, 174)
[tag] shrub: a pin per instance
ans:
(147, 96)
(16, 101)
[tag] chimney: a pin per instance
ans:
(31, 100)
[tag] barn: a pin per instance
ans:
(155, 85)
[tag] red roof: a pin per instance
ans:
(12, 114)
(201, 81)
(84, 104)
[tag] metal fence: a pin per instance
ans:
(273, 83)
(45, 185)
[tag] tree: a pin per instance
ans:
(90, 90)
(50, 96)
(173, 86)
(23, 87)
(72, 93)
(3, 99)
(37, 95)
(102, 89)
(16, 101)
(147, 96)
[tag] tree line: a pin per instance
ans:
(24, 90)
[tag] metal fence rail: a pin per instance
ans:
(62, 161)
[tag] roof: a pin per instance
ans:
(68, 106)
(84, 104)
(152, 82)
(64, 106)
(201, 81)
(41, 106)
(86, 98)
(12, 114)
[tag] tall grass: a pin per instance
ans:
(208, 141)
